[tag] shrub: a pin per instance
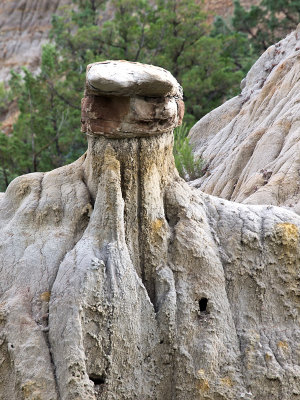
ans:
(188, 166)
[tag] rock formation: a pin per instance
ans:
(251, 143)
(119, 281)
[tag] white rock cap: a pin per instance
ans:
(124, 78)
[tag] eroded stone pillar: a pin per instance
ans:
(133, 108)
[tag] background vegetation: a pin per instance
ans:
(209, 62)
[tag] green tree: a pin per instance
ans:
(43, 137)
(175, 35)
(188, 166)
(268, 22)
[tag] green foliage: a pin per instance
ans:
(5, 153)
(46, 134)
(267, 23)
(5, 98)
(174, 35)
(188, 166)
(169, 33)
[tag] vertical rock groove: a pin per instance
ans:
(140, 216)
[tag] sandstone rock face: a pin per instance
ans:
(251, 143)
(119, 281)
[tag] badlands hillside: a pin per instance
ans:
(251, 144)
(24, 26)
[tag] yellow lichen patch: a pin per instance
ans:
(268, 357)
(110, 160)
(45, 296)
(23, 189)
(283, 345)
(31, 391)
(286, 239)
(157, 224)
(227, 381)
(203, 384)
(288, 234)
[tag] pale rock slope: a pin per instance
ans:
(119, 281)
(252, 142)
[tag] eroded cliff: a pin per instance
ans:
(251, 143)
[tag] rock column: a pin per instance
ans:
(129, 112)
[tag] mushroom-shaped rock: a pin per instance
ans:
(123, 78)
(119, 281)
(126, 99)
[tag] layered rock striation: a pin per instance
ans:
(251, 143)
(119, 281)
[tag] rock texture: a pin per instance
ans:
(24, 27)
(119, 281)
(251, 143)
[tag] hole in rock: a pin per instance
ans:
(203, 304)
(97, 379)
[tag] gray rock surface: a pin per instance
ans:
(119, 281)
(251, 143)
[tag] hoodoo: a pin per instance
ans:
(119, 281)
